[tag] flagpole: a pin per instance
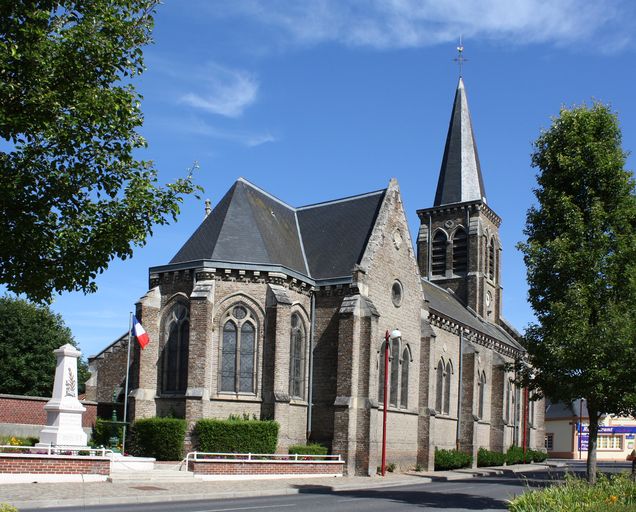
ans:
(123, 440)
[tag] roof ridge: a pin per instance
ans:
(264, 192)
(342, 200)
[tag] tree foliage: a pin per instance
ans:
(74, 194)
(28, 336)
(580, 255)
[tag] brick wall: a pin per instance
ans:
(54, 464)
(29, 410)
(265, 468)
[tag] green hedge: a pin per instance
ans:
(161, 438)
(486, 458)
(451, 459)
(514, 455)
(236, 436)
(536, 456)
(309, 449)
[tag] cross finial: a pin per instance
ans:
(460, 59)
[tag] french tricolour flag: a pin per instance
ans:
(140, 333)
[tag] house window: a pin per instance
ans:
(238, 351)
(174, 355)
(610, 442)
(297, 358)
(460, 251)
(482, 394)
(438, 256)
(549, 441)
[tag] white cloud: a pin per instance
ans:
(221, 90)
(199, 127)
(415, 23)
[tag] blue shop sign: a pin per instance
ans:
(606, 431)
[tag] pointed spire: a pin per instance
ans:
(460, 175)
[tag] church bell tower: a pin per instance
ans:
(458, 241)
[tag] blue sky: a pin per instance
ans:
(315, 100)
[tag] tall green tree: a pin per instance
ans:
(29, 334)
(580, 255)
(73, 193)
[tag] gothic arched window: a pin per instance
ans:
(439, 390)
(447, 387)
(394, 388)
(438, 254)
(508, 400)
(297, 358)
(482, 394)
(238, 351)
(460, 251)
(174, 355)
(404, 378)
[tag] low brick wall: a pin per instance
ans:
(54, 464)
(265, 467)
(29, 410)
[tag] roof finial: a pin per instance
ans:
(460, 59)
(208, 207)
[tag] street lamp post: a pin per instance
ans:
(387, 351)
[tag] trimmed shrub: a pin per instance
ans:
(161, 438)
(451, 459)
(103, 430)
(309, 449)
(236, 436)
(5, 507)
(486, 458)
(536, 455)
(514, 455)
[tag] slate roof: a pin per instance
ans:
(320, 241)
(560, 410)
(460, 177)
(446, 303)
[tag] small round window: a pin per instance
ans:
(396, 294)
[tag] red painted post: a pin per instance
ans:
(525, 423)
(386, 386)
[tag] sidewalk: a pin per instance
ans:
(43, 495)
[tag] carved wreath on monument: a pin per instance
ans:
(71, 386)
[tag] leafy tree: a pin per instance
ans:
(73, 194)
(580, 255)
(28, 335)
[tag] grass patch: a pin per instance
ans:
(613, 493)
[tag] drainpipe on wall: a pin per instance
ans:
(312, 329)
(459, 390)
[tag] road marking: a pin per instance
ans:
(260, 507)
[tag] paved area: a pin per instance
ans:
(44, 495)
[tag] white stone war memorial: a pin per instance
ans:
(64, 410)
(279, 312)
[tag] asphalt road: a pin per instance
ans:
(484, 493)
(489, 493)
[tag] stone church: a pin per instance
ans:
(280, 312)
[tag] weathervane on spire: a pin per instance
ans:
(460, 59)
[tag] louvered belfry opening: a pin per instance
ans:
(438, 259)
(460, 251)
